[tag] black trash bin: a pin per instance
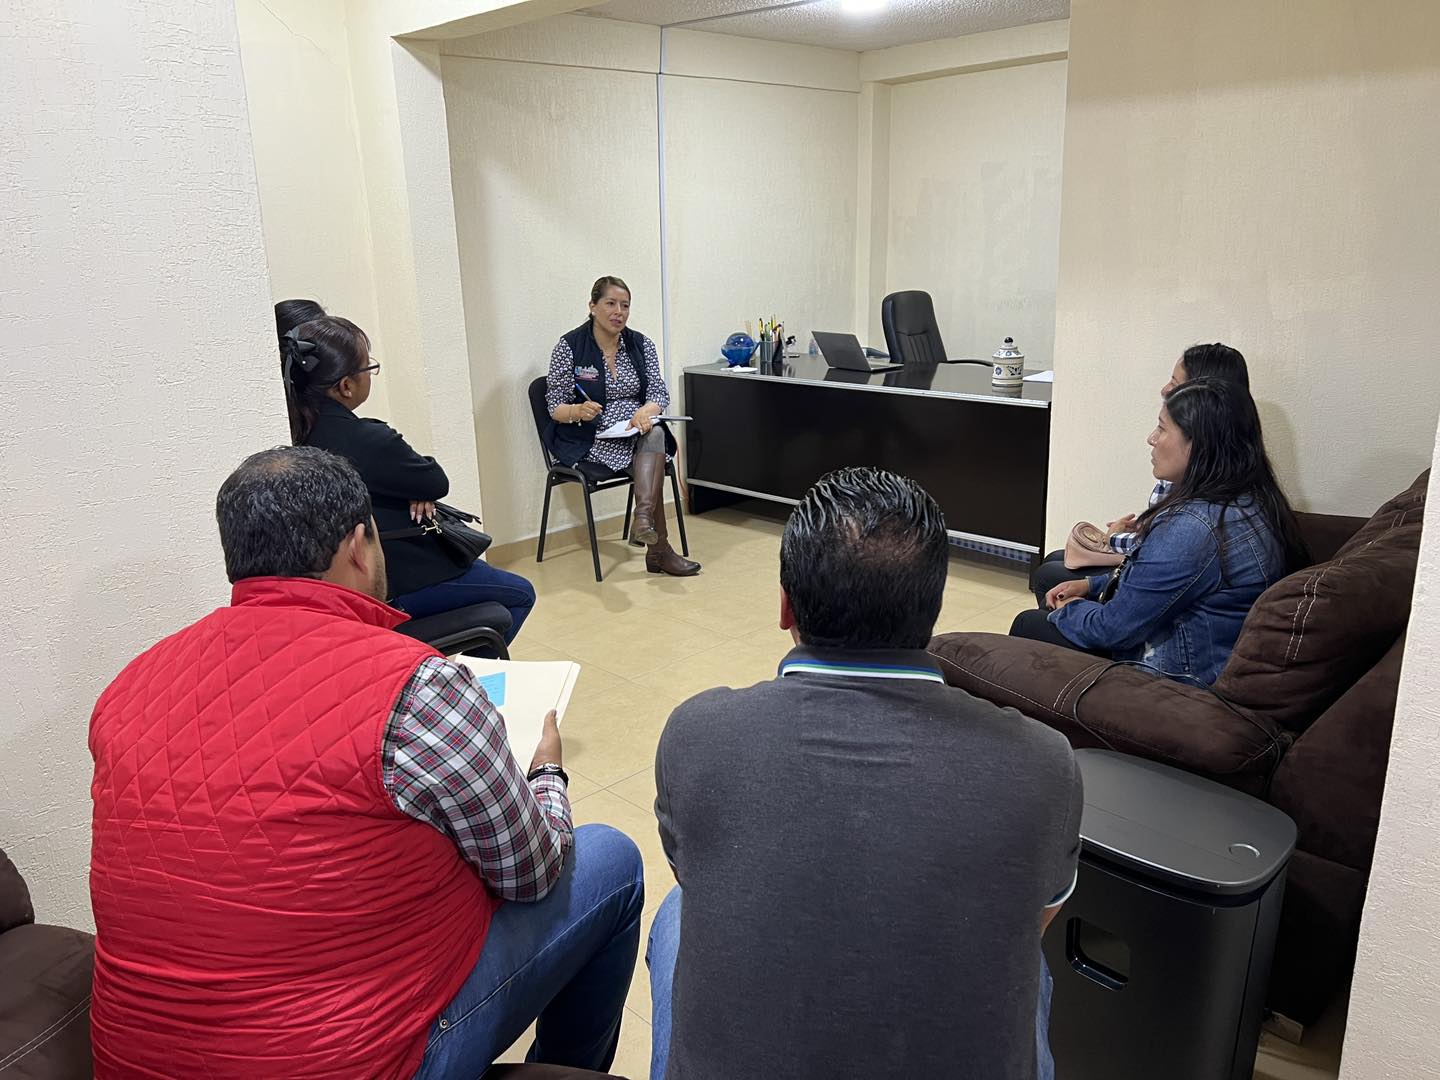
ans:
(1162, 955)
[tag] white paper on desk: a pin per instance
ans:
(621, 429)
(531, 689)
(1041, 376)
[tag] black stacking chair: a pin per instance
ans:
(475, 630)
(592, 477)
(912, 335)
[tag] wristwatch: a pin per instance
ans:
(549, 768)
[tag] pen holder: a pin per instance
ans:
(765, 355)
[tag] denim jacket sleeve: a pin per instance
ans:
(1177, 563)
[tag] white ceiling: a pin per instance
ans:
(824, 23)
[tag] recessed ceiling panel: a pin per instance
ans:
(826, 23)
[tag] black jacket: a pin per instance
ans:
(571, 442)
(395, 475)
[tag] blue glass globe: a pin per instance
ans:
(738, 348)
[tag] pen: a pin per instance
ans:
(581, 391)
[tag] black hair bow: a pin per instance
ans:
(296, 350)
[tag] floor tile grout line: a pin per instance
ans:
(611, 789)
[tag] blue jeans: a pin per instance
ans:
(660, 953)
(564, 961)
(481, 583)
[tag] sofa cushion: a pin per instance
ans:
(45, 1002)
(1332, 781)
(1407, 508)
(1093, 702)
(1311, 636)
(15, 909)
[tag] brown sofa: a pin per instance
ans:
(45, 976)
(1300, 717)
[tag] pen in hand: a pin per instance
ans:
(588, 401)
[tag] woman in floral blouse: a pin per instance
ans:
(603, 373)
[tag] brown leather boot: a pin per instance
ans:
(649, 473)
(661, 558)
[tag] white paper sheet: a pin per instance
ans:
(621, 429)
(1041, 376)
(530, 690)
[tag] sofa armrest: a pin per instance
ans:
(15, 909)
(1095, 703)
(1325, 534)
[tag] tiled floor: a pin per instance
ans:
(646, 642)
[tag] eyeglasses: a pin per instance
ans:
(373, 369)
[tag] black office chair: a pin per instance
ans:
(911, 333)
(592, 477)
(475, 630)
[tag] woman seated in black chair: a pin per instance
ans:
(327, 368)
(603, 373)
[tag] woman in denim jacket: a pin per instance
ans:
(1223, 535)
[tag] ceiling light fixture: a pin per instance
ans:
(862, 7)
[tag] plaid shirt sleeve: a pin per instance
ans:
(1123, 543)
(446, 762)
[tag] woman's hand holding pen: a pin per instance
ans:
(586, 410)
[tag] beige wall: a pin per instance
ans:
(974, 203)
(555, 151)
(949, 150)
(760, 184)
(138, 346)
(1395, 996)
(1232, 173)
(296, 57)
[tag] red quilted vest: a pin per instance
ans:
(262, 908)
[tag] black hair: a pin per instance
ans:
(291, 313)
(314, 356)
(1228, 462)
(1215, 361)
(284, 512)
(863, 561)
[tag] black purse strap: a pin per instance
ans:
(431, 527)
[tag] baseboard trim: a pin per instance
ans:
(606, 528)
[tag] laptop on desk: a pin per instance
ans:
(843, 351)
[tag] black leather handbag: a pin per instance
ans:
(451, 529)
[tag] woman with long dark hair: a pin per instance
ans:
(603, 373)
(1214, 360)
(1222, 535)
(327, 368)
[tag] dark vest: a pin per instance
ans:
(571, 442)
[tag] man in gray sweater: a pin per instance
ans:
(868, 857)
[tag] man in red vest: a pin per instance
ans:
(307, 825)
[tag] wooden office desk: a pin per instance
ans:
(983, 454)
